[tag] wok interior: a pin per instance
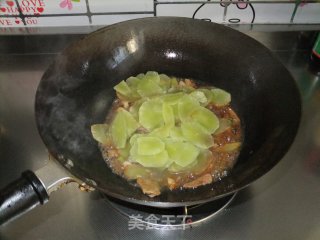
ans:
(77, 90)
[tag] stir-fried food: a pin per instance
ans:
(164, 132)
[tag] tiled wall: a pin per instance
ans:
(19, 15)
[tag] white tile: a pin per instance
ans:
(273, 13)
(236, 15)
(38, 7)
(57, 21)
(11, 22)
(209, 11)
(308, 13)
(13, 30)
(264, 13)
(120, 5)
(111, 19)
(59, 30)
(8, 7)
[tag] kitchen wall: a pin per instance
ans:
(38, 16)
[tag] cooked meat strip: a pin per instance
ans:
(149, 187)
(203, 180)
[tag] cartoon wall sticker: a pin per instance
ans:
(67, 4)
(239, 11)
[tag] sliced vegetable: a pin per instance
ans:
(153, 77)
(125, 92)
(168, 115)
(159, 160)
(203, 161)
(150, 145)
(194, 133)
(118, 130)
(172, 98)
(134, 171)
(131, 124)
(224, 124)
(123, 89)
(208, 93)
(100, 133)
(199, 96)
(176, 134)
(134, 109)
(134, 138)
(186, 106)
(165, 82)
(150, 114)
(122, 126)
(133, 83)
(206, 118)
(175, 168)
(165, 77)
(140, 76)
(124, 152)
(133, 154)
(148, 84)
(175, 109)
(182, 153)
(161, 132)
(174, 83)
(220, 97)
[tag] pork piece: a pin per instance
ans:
(113, 153)
(203, 180)
(149, 187)
(172, 184)
(190, 83)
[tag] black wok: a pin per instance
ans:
(77, 90)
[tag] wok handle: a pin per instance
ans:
(21, 196)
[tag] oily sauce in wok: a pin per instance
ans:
(163, 132)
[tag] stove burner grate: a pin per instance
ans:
(169, 218)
